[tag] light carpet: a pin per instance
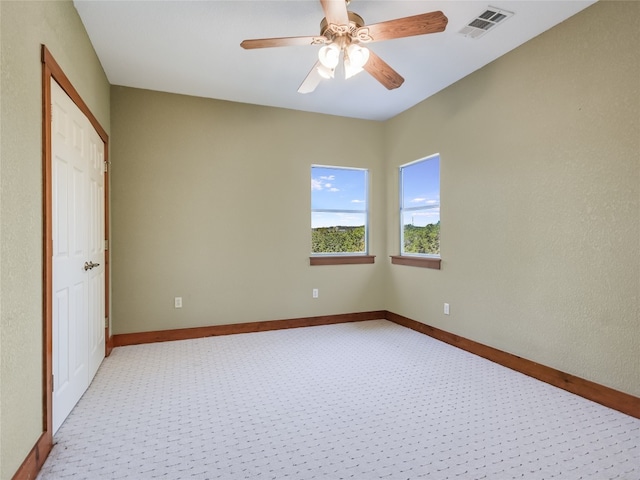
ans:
(365, 400)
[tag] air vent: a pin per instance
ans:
(484, 22)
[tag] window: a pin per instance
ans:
(420, 208)
(339, 211)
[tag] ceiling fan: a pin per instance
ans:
(344, 33)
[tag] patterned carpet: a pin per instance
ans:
(366, 400)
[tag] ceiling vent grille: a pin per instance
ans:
(484, 22)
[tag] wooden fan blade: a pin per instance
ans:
(283, 42)
(335, 11)
(313, 79)
(406, 27)
(381, 71)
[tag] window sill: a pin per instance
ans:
(422, 262)
(341, 259)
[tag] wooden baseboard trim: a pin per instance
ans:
(109, 346)
(217, 330)
(34, 461)
(620, 401)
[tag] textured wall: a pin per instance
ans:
(540, 204)
(24, 27)
(540, 187)
(211, 202)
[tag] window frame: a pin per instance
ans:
(425, 260)
(342, 258)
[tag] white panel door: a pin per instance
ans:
(95, 224)
(78, 244)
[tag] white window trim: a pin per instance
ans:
(365, 212)
(411, 209)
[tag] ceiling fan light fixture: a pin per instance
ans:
(325, 72)
(342, 36)
(355, 58)
(358, 56)
(350, 70)
(329, 55)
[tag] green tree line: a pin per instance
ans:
(337, 239)
(422, 239)
(351, 239)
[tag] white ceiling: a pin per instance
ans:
(193, 48)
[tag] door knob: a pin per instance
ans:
(90, 265)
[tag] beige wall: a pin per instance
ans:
(211, 202)
(540, 204)
(540, 186)
(24, 27)
(540, 210)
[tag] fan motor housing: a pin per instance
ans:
(355, 22)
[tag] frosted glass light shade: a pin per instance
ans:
(325, 72)
(358, 56)
(329, 55)
(355, 59)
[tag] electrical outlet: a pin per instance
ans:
(315, 293)
(177, 302)
(446, 309)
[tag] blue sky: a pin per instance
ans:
(421, 189)
(338, 189)
(335, 188)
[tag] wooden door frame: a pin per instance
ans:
(51, 70)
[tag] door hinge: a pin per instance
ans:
(52, 382)
(106, 244)
(106, 167)
(106, 322)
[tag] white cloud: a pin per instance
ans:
(357, 201)
(328, 177)
(425, 201)
(322, 184)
